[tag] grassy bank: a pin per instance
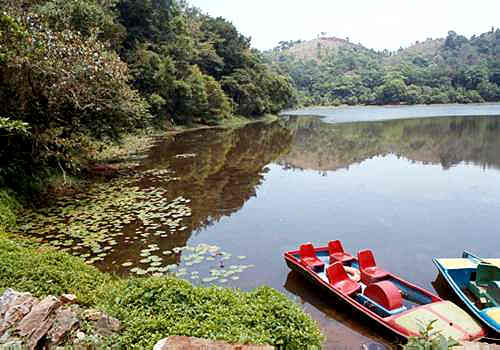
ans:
(153, 308)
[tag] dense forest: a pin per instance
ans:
(73, 72)
(332, 71)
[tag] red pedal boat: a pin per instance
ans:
(400, 306)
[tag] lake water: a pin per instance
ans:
(410, 190)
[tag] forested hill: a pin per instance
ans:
(331, 71)
(77, 71)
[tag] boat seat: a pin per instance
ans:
(486, 285)
(338, 278)
(384, 293)
(336, 252)
(308, 258)
(370, 272)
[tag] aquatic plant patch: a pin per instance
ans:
(201, 264)
(92, 223)
(121, 225)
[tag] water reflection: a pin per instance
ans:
(338, 320)
(223, 168)
(447, 141)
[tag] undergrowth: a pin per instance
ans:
(153, 308)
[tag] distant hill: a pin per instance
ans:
(317, 48)
(333, 71)
(428, 49)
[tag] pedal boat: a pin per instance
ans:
(385, 298)
(476, 282)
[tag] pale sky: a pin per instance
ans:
(377, 24)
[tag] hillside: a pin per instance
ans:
(331, 71)
(317, 48)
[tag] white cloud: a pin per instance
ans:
(376, 24)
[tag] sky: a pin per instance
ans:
(377, 24)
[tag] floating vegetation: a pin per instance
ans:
(209, 257)
(187, 155)
(111, 216)
(91, 224)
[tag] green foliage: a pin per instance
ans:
(455, 69)
(430, 340)
(154, 308)
(85, 17)
(78, 71)
(8, 208)
(26, 268)
(65, 88)
(256, 92)
(13, 126)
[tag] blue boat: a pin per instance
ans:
(476, 281)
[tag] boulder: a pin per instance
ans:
(36, 318)
(191, 343)
(107, 325)
(17, 307)
(65, 321)
(68, 299)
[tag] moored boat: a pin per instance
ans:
(476, 282)
(387, 299)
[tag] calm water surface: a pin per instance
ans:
(408, 189)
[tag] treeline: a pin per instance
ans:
(82, 70)
(455, 69)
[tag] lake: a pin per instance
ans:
(220, 206)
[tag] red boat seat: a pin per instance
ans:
(386, 294)
(370, 272)
(308, 257)
(336, 252)
(338, 278)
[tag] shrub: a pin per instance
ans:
(153, 308)
(8, 208)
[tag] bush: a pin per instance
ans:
(8, 208)
(26, 268)
(153, 308)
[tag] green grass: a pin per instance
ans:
(8, 207)
(153, 308)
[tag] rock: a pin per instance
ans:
(34, 321)
(65, 321)
(92, 314)
(68, 299)
(80, 335)
(7, 297)
(40, 333)
(107, 325)
(191, 343)
(20, 304)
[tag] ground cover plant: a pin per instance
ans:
(151, 308)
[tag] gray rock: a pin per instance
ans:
(65, 321)
(7, 297)
(107, 325)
